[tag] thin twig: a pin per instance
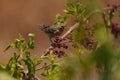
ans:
(43, 67)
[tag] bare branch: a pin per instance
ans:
(70, 30)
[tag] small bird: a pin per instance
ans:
(52, 31)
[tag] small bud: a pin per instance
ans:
(45, 63)
(31, 35)
(61, 52)
(115, 29)
(50, 48)
(65, 46)
(55, 52)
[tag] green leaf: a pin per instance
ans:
(31, 41)
(66, 17)
(30, 66)
(31, 44)
(59, 20)
(44, 74)
(70, 5)
(70, 11)
(111, 15)
(39, 61)
(2, 68)
(14, 67)
(5, 76)
(58, 16)
(46, 67)
(8, 47)
(45, 57)
(27, 54)
(78, 6)
(54, 66)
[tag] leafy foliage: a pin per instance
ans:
(15, 66)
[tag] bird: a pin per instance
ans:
(52, 31)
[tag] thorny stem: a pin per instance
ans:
(77, 24)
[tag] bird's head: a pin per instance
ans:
(43, 26)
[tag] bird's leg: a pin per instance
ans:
(50, 39)
(52, 42)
